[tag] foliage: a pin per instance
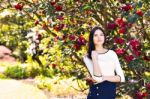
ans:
(55, 35)
(16, 72)
(67, 87)
(2, 76)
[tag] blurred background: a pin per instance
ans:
(42, 44)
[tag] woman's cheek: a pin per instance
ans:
(95, 41)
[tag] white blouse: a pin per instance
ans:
(108, 63)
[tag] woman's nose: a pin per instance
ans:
(99, 37)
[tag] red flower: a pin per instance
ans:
(148, 86)
(134, 44)
(120, 51)
(56, 28)
(52, 3)
(81, 40)
(58, 8)
(59, 27)
(126, 7)
(139, 12)
(129, 58)
(54, 65)
(76, 47)
(39, 36)
(119, 40)
(111, 26)
(120, 22)
(146, 58)
(64, 36)
(44, 26)
(36, 22)
(72, 37)
(145, 94)
(122, 30)
(19, 6)
(137, 53)
(60, 17)
(129, 25)
(139, 95)
(135, 48)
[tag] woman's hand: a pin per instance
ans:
(94, 55)
(96, 67)
(90, 80)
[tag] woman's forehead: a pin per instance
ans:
(98, 32)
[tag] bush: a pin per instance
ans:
(33, 71)
(47, 72)
(17, 72)
(21, 71)
(43, 82)
(2, 76)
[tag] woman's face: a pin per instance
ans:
(98, 37)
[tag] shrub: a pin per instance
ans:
(2, 76)
(33, 70)
(17, 72)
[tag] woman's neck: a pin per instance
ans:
(99, 48)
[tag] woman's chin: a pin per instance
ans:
(99, 44)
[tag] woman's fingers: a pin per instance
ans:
(94, 54)
(90, 79)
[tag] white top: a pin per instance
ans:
(109, 64)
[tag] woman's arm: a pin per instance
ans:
(106, 78)
(96, 68)
(112, 78)
(118, 69)
(119, 77)
(93, 68)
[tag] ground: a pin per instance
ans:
(13, 89)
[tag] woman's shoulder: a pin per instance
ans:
(85, 55)
(112, 52)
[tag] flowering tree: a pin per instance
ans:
(59, 35)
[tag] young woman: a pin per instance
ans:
(104, 67)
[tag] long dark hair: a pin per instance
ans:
(91, 45)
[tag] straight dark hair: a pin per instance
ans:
(91, 45)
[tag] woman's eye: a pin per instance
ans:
(99, 35)
(95, 35)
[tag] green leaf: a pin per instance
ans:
(140, 4)
(132, 19)
(86, 7)
(148, 13)
(137, 64)
(30, 9)
(146, 1)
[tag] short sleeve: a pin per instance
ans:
(118, 68)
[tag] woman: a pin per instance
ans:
(104, 67)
